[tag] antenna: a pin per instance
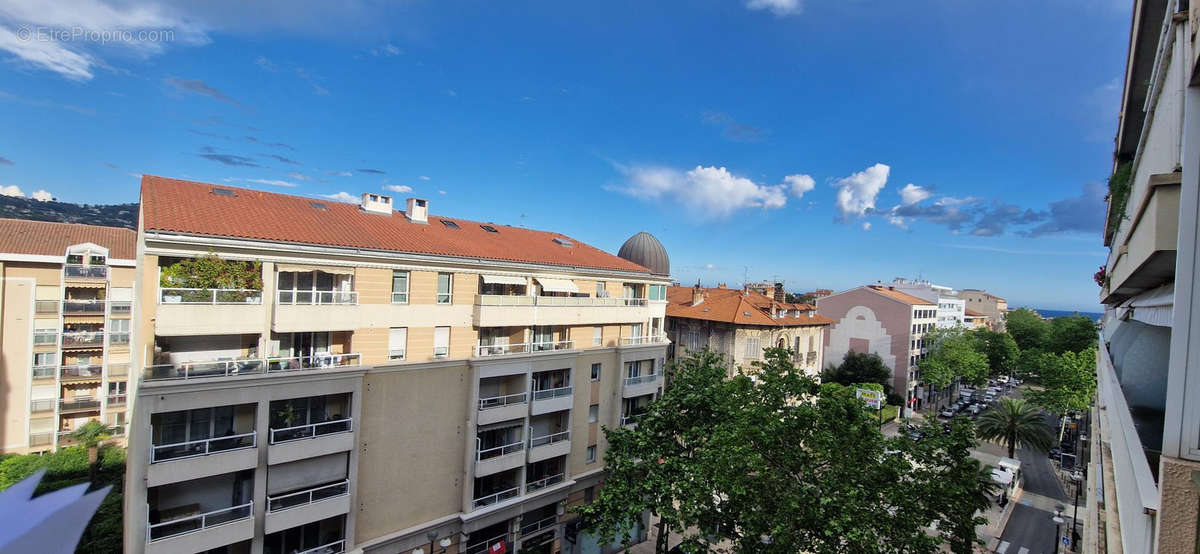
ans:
(745, 275)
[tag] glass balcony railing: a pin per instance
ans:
(247, 366)
(497, 497)
(83, 307)
(501, 349)
(198, 522)
(502, 401)
(209, 296)
(311, 430)
(318, 297)
(79, 403)
(76, 271)
(81, 372)
(547, 394)
(640, 379)
(544, 482)
(42, 405)
(544, 440)
(44, 371)
(120, 307)
(45, 337)
(83, 339)
(46, 306)
(202, 447)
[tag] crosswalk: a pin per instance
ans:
(1004, 546)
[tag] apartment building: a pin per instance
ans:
(975, 320)
(951, 308)
(742, 323)
(881, 320)
(389, 381)
(66, 294)
(1143, 477)
(990, 305)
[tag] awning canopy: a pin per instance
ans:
(557, 285)
(333, 269)
(504, 280)
(1155, 307)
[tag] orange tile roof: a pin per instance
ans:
(48, 238)
(901, 296)
(190, 207)
(974, 313)
(732, 306)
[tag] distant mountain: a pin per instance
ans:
(110, 215)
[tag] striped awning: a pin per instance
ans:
(557, 285)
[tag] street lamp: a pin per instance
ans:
(1077, 477)
(1058, 521)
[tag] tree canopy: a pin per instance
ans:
(759, 464)
(1027, 328)
(1000, 348)
(952, 353)
(1068, 380)
(857, 367)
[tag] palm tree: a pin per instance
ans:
(1015, 422)
(90, 435)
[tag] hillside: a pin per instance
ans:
(112, 215)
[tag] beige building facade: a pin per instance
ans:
(388, 397)
(993, 308)
(66, 305)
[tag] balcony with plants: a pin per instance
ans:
(209, 294)
(1141, 231)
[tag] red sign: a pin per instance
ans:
(498, 548)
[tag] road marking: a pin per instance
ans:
(1023, 550)
(1003, 548)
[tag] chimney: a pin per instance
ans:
(376, 203)
(416, 210)
(780, 296)
(697, 295)
(721, 285)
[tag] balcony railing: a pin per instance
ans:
(120, 307)
(45, 337)
(43, 405)
(46, 306)
(543, 440)
(630, 419)
(538, 526)
(441, 351)
(76, 271)
(115, 400)
(647, 339)
(41, 439)
(522, 300)
(305, 497)
(202, 447)
(81, 307)
(198, 522)
(247, 366)
(547, 394)
(44, 371)
(81, 372)
(332, 548)
(83, 339)
(318, 361)
(396, 354)
(640, 379)
(118, 338)
(79, 403)
(319, 297)
(500, 349)
(485, 547)
(65, 437)
(489, 453)
(311, 430)
(497, 497)
(118, 370)
(502, 401)
(209, 296)
(543, 482)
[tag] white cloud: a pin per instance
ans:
(856, 193)
(441, 192)
(338, 173)
(866, 225)
(710, 192)
(709, 267)
(912, 194)
(272, 182)
(800, 184)
(341, 197)
(388, 49)
(780, 8)
(11, 190)
(42, 195)
(423, 178)
(299, 176)
(398, 188)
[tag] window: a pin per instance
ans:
(441, 342)
(593, 413)
(597, 335)
(116, 387)
(753, 350)
(589, 494)
(489, 228)
(397, 343)
(41, 359)
(449, 223)
(658, 292)
(444, 288)
(595, 372)
(601, 292)
(591, 457)
(399, 287)
(563, 242)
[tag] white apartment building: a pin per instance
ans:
(951, 308)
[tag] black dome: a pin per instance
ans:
(645, 250)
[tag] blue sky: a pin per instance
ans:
(828, 144)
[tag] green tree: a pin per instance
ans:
(857, 367)
(952, 353)
(1000, 348)
(211, 272)
(1015, 422)
(1028, 329)
(90, 435)
(1071, 334)
(760, 466)
(1068, 382)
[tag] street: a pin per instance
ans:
(1031, 529)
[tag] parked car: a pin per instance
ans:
(975, 409)
(947, 413)
(1002, 379)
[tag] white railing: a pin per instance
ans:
(397, 354)
(44, 371)
(318, 361)
(46, 306)
(202, 447)
(631, 419)
(544, 482)
(306, 497)
(543, 440)
(522, 348)
(198, 522)
(647, 339)
(647, 378)
(42, 404)
(441, 351)
(209, 296)
(116, 400)
(118, 338)
(45, 337)
(332, 548)
(485, 546)
(88, 306)
(523, 300)
(501, 401)
(120, 307)
(497, 497)
(247, 366)
(78, 271)
(539, 526)
(83, 338)
(546, 394)
(489, 453)
(317, 297)
(311, 430)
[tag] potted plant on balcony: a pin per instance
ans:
(211, 272)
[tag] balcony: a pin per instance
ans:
(41, 439)
(44, 371)
(640, 385)
(83, 339)
(116, 400)
(294, 509)
(335, 547)
(78, 404)
(183, 311)
(248, 366)
(120, 307)
(83, 307)
(201, 532)
(518, 310)
(630, 420)
(548, 446)
(644, 340)
(289, 444)
(493, 460)
(302, 311)
(42, 405)
(486, 546)
(85, 272)
(552, 400)
(118, 339)
(495, 409)
(529, 529)
(202, 447)
(1143, 247)
(195, 459)
(46, 307)
(544, 482)
(524, 348)
(73, 373)
(45, 337)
